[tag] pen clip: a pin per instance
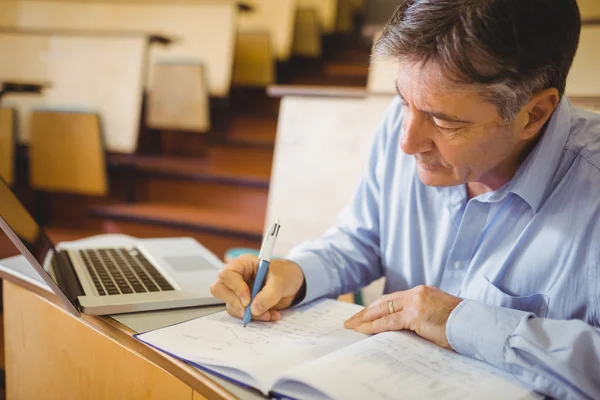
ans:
(266, 249)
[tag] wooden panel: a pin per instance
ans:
(217, 244)
(254, 64)
(591, 103)
(326, 11)
(220, 220)
(589, 8)
(584, 79)
(198, 396)
(101, 74)
(316, 90)
(2, 364)
(224, 196)
(179, 98)
(277, 18)
(307, 36)
(66, 153)
(337, 133)
(7, 144)
(189, 24)
(52, 355)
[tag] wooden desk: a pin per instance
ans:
(51, 354)
(74, 65)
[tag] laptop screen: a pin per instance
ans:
(31, 236)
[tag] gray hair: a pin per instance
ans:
(508, 49)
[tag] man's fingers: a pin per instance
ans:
(234, 281)
(390, 322)
(271, 315)
(245, 265)
(268, 297)
(221, 291)
(378, 309)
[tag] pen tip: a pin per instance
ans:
(245, 325)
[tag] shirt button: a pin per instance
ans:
(479, 357)
(458, 265)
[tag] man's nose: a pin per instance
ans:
(415, 136)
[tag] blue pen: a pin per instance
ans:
(266, 251)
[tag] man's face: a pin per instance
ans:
(455, 136)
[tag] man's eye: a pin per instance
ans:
(446, 128)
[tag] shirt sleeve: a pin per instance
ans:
(347, 257)
(560, 359)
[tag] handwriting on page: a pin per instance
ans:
(396, 365)
(301, 334)
(303, 327)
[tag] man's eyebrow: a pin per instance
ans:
(437, 115)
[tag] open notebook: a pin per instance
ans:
(309, 355)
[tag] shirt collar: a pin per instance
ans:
(533, 177)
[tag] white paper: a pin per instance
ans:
(400, 365)
(263, 350)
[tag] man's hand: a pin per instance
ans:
(423, 309)
(284, 280)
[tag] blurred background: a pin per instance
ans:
(200, 118)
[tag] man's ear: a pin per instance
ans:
(539, 110)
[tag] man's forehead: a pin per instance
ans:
(429, 78)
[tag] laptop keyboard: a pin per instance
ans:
(122, 271)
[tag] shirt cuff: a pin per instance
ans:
(481, 330)
(316, 276)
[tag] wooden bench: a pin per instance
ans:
(94, 72)
(205, 32)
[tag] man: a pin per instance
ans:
(484, 185)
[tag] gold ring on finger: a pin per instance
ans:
(391, 307)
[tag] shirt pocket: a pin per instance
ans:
(536, 303)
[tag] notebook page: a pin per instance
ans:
(262, 350)
(399, 365)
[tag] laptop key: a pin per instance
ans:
(139, 289)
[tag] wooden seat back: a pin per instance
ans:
(326, 12)
(275, 17)
(67, 153)
(254, 64)
(178, 98)
(307, 35)
(7, 144)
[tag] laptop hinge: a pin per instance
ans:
(66, 276)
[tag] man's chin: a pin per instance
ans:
(439, 178)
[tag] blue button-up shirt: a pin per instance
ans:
(526, 258)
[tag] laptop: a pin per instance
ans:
(121, 277)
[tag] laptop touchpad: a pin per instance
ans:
(189, 263)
